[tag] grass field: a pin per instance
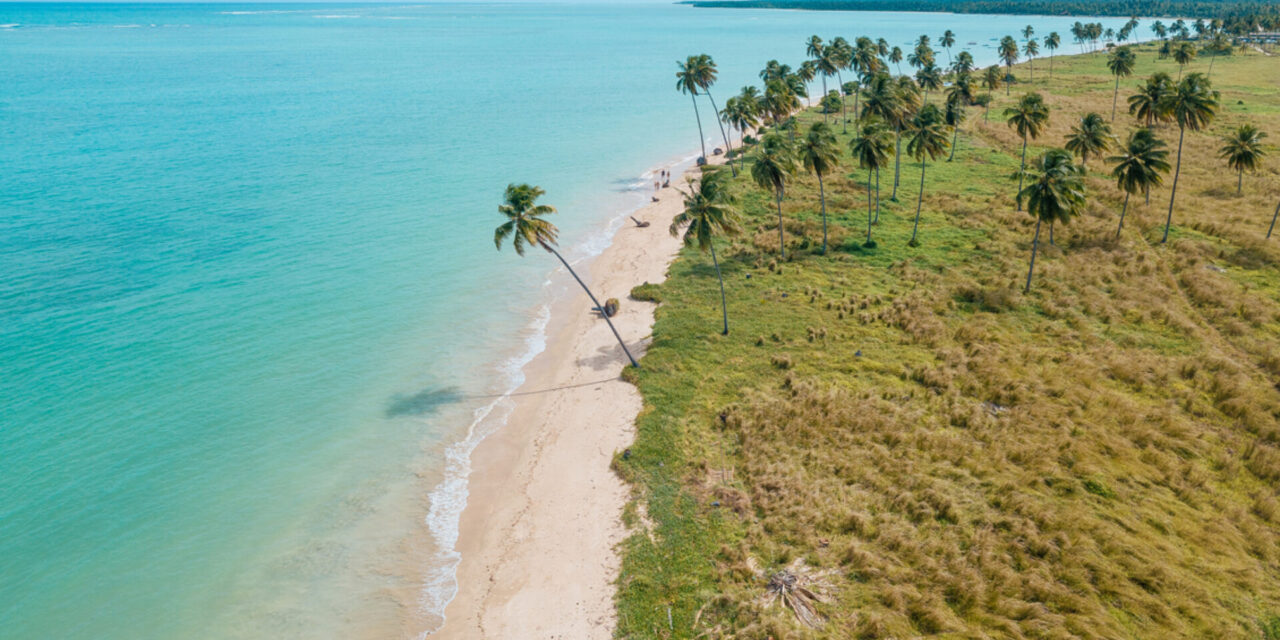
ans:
(945, 456)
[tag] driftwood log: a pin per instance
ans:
(639, 223)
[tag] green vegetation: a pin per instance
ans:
(896, 442)
(1231, 11)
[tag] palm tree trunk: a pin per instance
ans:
(702, 140)
(1008, 72)
(1173, 193)
(877, 195)
(595, 302)
(1035, 244)
(924, 163)
(897, 160)
(869, 206)
(1020, 170)
(1115, 95)
(724, 301)
(824, 97)
(822, 196)
(716, 112)
(1211, 59)
(844, 112)
(857, 93)
(1051, 221)
(1240, 182)
(782, 238)
(986, 109)
(1123, 210)
(1273, 221)
(955, 135)
(1051, 64)
(1147, 194)
(1032, 66)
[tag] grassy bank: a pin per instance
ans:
(946, 455)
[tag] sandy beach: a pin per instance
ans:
(544, 512)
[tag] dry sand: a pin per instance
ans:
(543, 518)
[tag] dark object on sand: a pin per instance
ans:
(611, 307)
(639, 223)
(701, 161)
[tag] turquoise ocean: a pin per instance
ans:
(251, 316)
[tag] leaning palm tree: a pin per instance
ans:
(687, 82)
(929, 78)
(774, 164)
(1028, 117)
(526, 227)
(948, 39)
(909, 103)
(705, 76)
(1147, 104)
(1055, 192)
(741, 113)
(1242, 149)
(1008, 55)
(1091, 135)
(953, 116)
(928, 142)
(895, 56)
(991, 80)
(1192, 105)
(819, 155)
(871, 150)
(1273, 220)
(1121, 63)
(1052, 42)
(1183, 55)
(1140, 166)
(708, 212)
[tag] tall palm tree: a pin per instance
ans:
(1147, 104)
(909, 99)
(895, 56)
(1140, 166)
(886, 102)
(526, 227)
(1091, 135)
(991, 80)
(1121, 63)
(774, 164)
(871, 149)
(1218, 46)
(1008, 55)
(1052, 42)
(963, 63)
(928, 141)
(1032, 49)
(929, 79)
(1028, 117)
(1183, 55)
(1192, 105)
(708, 212)
(687, 82)
(742, 113)
(705, 76)
(1242, 149)
(948, 39)
(1028, 31)
(819, 155)
(843, 57)
(1055, 193)
(953, 116)
(983, 100)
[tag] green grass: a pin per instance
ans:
(952, 458)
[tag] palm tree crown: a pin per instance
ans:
(774, 163)
(708, 212)
(820, 155)
(1055, 193)
(1140, 166)
(1242, 149)
(1091, 135)
(525, 222)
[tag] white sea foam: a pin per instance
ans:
(334, 16)
(11, 25)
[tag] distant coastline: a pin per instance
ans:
(1149, 8)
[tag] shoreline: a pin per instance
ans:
(544, 477)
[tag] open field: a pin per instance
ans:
(947, 456)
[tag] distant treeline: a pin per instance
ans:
(1152, 8)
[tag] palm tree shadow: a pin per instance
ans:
(422, 403)
(611, 358)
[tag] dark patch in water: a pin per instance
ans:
(422, 403)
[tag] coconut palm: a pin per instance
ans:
(1091, 135)
(1055, 193)
(963, 63)
(1052, 42)
(953, 116)
(774, 164)
(1148, 103)
(895, 56)
(929, 79)
(928, 141)
(1220, 45)
(1273, 220)
(526, 227)
(1121, 63)
(1028, 31)
(1028, 117)
(991, 80)
(1242, 149)
(983, 100)
(909, 99)
(705, 76)
(1032, 49)
(687, 82)
(1140, 166)
(921, 57)
(1192, 105)
(1008, 55)
(819, 155)
(806, 73)
(1183, 55)
(780, 101)
(739, 114)
(871, 149)
(948, 39)
(708, 212)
